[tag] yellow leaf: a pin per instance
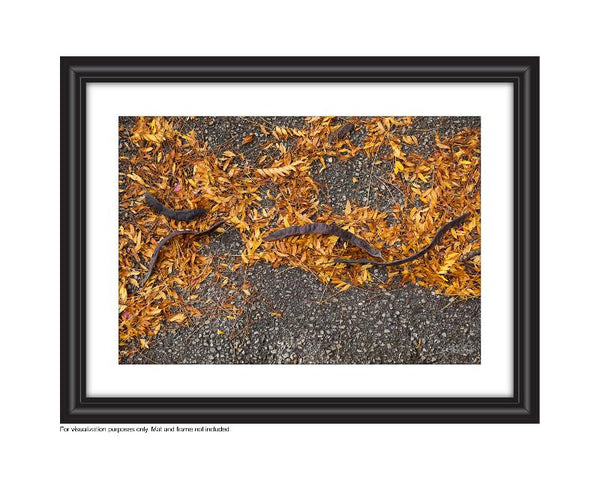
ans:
(220, 332)
(276, 314)
(276, 172)
(136, 178)
(450, 260)
(180, 317)
(398, 167)
(151, 138)
(348, 209)
(439, 143)
(397, 150)
(322, 163)
(122, 293)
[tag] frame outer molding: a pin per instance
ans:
(77, 407)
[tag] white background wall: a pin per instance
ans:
(35, 34)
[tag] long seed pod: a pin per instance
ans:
(183, 215)
(324, 229)
(438, 237)
(164, 241)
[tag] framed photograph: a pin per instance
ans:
(299, 240)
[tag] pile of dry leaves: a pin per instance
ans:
(271, 185)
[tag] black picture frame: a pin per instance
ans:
(77, 407)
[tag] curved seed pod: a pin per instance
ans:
(164, 241)
(183, 215)
(420, 253)
(324, 229)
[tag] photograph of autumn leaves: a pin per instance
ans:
(299, 240)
